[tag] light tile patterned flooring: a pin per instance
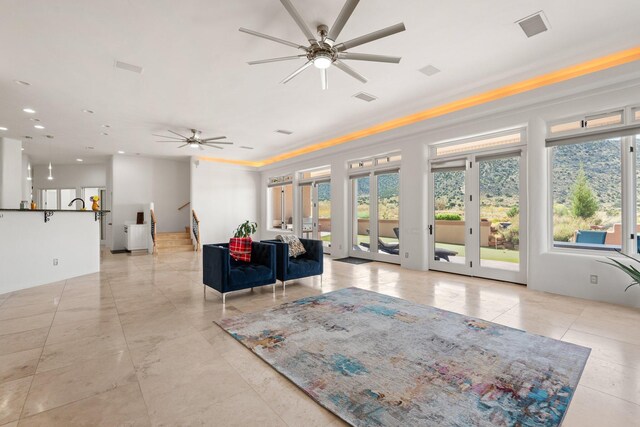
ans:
(135, 345)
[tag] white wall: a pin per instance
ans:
(223, 197)
(29, 245)
(69, 176)
(548, 270)
(26, 184)
(138, 181)
(10, 173)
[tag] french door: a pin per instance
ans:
(315, 217)
(477, 220)
(375, 215)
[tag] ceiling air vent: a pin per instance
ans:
(534, 24)
(129, 67)
(365, 96)
(284, 132)
(429, 70)
(246, 147)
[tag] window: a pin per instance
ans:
(381, 159)
(586, 181)
(281, 195)
(589, 210)
(512, 137)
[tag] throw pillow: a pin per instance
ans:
(240, 248)
(295, 245)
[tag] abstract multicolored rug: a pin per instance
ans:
(376, 360)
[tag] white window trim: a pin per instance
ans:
(392, 165)
(465, 140)
(585, 117)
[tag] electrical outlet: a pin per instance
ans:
(594, 279)
(406, 254)
(55, 261)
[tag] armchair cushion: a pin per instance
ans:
(296, 248)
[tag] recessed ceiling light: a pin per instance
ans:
(129, 67)
(33, 119)
(89, 148)
(49, 136)
(105, 134)
(22, 82)
(120, 152)
(38, 126)
(246, 147)
(283, 131)
(28, 137)
(3, 128)
(79, 160)
(22, 148)
(429, 70)
(29, 110)
(106, 126)
(87, 111)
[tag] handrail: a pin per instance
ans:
(153, 230)
(195, 227)
(184, 206)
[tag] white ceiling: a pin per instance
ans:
(195, 71)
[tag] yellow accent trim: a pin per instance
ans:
(568, 73)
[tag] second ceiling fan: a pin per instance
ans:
(323, 52)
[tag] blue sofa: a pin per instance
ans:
(306, 265)
(224, 274)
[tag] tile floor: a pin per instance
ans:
(136, 345)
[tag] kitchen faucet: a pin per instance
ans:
(77, 198)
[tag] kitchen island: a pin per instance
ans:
(47, 245)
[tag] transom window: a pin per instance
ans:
(478, 144)
(382, 159)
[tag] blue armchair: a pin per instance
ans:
(306, 265)
(224, 274)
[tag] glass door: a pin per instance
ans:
(324, 214)
(315, 212)
(375, 216)
(448, 230)
(478, 214)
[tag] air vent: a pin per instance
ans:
(129, 67)
(534, 24)
(365, 96)
(429, 70)
(284, 132)
(246, 147)
(49, 136)
(28, 137)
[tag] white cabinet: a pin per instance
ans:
(137, 236)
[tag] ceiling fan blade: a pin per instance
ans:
(367, 38)
(212, 146)
(200, 148)
(167, 136)
(273, 39)
(298, 18)
(173, 142)
(353, 73)
(369, 57)
(283, 58)
(296, 72)
(213, 138)
(325, 78)
(219, 142)
(176, 133)
(183, 145)
(342, 19)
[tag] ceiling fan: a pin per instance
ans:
(324, 51)
(194, 141)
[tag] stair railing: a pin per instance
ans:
(195, 227)
(154, 226)
(184, 206)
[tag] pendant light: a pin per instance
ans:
(50, 177)
(29, 172)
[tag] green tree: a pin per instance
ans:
(584, 203)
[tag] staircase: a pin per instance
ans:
(174, 242)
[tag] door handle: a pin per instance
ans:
(430, 229)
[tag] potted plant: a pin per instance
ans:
(240, 243)
(633, 272)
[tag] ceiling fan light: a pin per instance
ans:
(322, 61)
(193, 145)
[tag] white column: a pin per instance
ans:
(10, 173)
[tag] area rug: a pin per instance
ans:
(352, 260)
(376, 360)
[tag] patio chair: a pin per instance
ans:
(593, 237)
(390, 248)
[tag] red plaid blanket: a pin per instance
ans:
(240, 248)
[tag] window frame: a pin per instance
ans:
(433, 148)
(628, 165)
